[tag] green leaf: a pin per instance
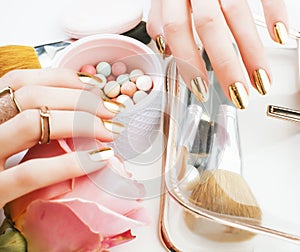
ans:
(11, 240)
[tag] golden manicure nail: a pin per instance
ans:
(114, 127)
(280, 32)
(262, 81)
(160, 44)
(102, 154)
(200, 89)
(113, 106)
(90, 79)
(284, 113)
(238, 95)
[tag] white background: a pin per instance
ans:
(270, 147)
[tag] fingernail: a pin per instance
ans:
(101, 154)
(262, 81)
(90, 79)
(160, 44)
(200, 89)
(238, 95)
(280, 32)
(113, 106)
(114, 127)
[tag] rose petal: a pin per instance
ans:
(102, 220)
(96, 187)
(18, 206)
(52, 226)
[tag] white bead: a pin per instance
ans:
(144, 83)
(103, 68)
(139, 96)
(112, 89)
(103, 78)
(134, 74)
(126, 100)
(122, 78)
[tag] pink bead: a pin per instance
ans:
(89, 69)
(118, 68)
(111, 78)
(128, 88)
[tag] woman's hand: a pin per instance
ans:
(216, 22)
(75, 111)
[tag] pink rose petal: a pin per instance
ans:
(54, 227)
(101, 219)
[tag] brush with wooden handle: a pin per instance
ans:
(221, 188)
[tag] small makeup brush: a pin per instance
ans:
(187, 174)
(221, 187)
(17, 57)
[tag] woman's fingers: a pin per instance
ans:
(24, 130)
(36, 173)
(215, 36)
(240, 21)
(277, 19)
(33, 97)
(43, 77)
(178, 31)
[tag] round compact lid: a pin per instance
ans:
(89, 17)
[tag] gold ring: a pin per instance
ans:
(45, 125)
(8, 105)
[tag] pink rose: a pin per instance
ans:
(78, 214)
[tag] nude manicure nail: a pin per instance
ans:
(239, 95)
(114, 127)
(113, 106)
(262, 81)
(200, 89)
(101, 154)
(280, 32)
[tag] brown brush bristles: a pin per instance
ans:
(17, 57)
(227, 193)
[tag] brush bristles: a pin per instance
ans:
(227, 193)
(17, 57)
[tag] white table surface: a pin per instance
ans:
(269, 146)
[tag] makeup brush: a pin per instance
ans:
(221, 187)
(188, 175)
(17, 57)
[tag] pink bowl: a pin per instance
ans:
(141, 121)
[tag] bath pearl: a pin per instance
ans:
(111, 78)
(103, 78)
(103, 68)
(89, 69)
(112, 89)
(118, 68)
(139, 96)
(128, 88)
(122, 78)
(134, 74)
(126, 100)
(144, 83)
